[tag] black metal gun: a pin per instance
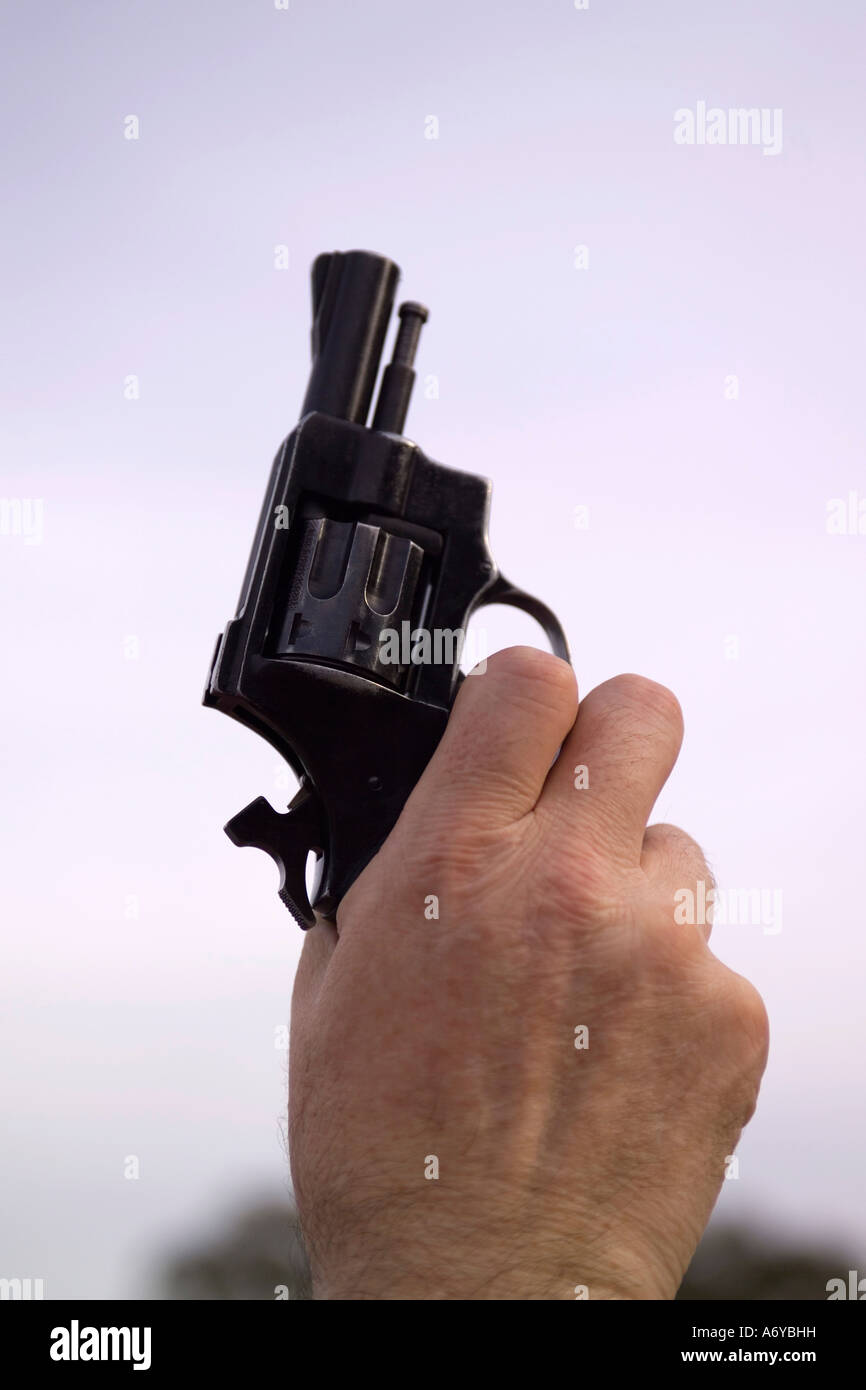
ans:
(364, 546)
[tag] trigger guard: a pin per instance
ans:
(503, 591)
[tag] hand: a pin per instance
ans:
(454, 1134)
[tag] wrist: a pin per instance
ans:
(525, 1271)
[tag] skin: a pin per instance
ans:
(563, 1171)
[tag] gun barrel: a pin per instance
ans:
(353, 296)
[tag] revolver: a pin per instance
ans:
(367, 564)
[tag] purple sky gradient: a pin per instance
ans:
(154, 1035)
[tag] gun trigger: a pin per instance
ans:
(288, 837)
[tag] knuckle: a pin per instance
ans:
(744, 1015)
(679, 853)
(737, 1025)
(754, 1020)
(672, 839)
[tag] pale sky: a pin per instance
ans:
(695, 383)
